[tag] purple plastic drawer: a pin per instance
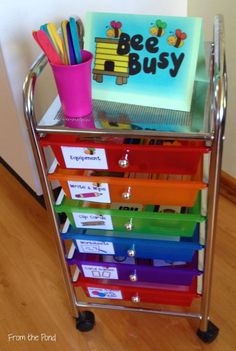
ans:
(135, 270)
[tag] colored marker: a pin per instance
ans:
(45, 29)
(88, 195)
(65, 40)
(44, 42)
(75, 39)
(70, 45)
(52, 30)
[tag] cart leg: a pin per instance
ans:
(209, 334)
(85, 321)
(207, 330)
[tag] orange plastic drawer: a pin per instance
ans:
(160, 294)
(102, 188)
(166, 157)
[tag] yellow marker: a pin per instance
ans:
(56, 40)
(65, 40)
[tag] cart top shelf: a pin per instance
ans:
(117, 118)
(206, 117)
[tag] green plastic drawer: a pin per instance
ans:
(155, 223)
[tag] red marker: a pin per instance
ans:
(44, 42)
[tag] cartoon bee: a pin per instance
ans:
(159, 29)
(115, 30)
(89, 151)
(178, 40)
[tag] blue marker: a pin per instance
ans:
(45, 29)
(75, 40)
(70, 45)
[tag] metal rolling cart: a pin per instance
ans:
(211, 133)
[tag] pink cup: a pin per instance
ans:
(86, 122)
(74, 86)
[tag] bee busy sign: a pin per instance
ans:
(147, 60)
(150, 65)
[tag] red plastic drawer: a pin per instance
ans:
(137, 294)
(176, 158)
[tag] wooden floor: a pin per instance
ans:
(33, 298)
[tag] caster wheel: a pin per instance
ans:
(85, 321)
(209, 335)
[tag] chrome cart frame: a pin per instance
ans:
(213, 135)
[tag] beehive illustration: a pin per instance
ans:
(108, 62)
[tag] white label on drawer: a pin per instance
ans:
(105, 293)
(100, 272)
(96, 247)
(92, 221)
(88, 191)
(85, 158)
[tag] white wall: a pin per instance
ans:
(13, 148)
(207, 10)
(17, 20)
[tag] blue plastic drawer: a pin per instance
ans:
(182, 250)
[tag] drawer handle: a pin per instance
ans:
(127, 195)
(131, 252)
(135, 299)
(123, 162)
(129, 226)
(133, 277)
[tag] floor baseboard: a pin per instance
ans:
(39, 198)
(228, 186)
